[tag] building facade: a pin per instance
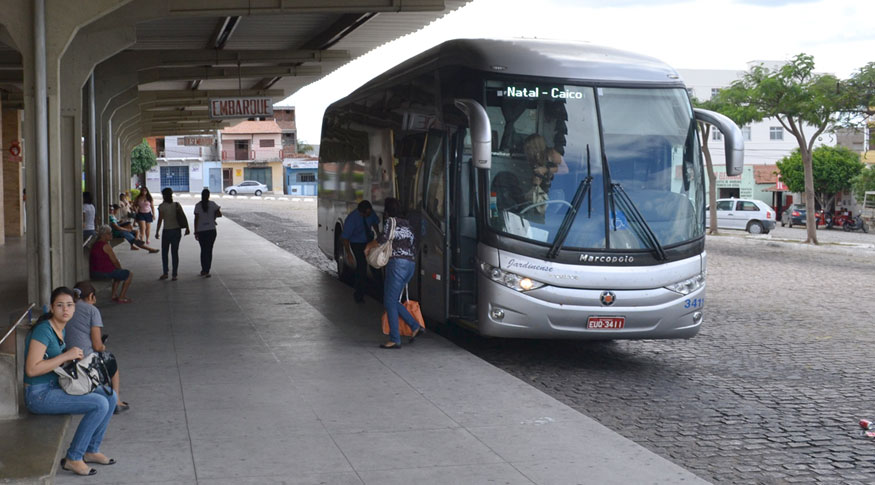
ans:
(252, 150)
(185, 164)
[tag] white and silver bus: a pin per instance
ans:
(557, 187)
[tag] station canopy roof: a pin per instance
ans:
(225, 48)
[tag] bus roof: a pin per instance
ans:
(550, 58)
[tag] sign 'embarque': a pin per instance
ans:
(221, 108)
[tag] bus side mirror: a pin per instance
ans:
(481, 131)
(733, 140)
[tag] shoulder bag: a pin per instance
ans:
(180, 216)
(83, 376)
(379, 256)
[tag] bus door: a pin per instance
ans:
(463, 232)
(433, 249)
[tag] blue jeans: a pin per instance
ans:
(170, 243)
(398, 273)
(97, 408)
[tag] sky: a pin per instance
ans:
(698, 34)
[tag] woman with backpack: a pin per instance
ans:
(44, 350)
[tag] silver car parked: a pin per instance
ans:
(246, 187)
(751, 215)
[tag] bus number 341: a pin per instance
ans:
(694, 303)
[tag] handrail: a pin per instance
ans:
(17, 323)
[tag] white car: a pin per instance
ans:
(751, 215)
(246, 187)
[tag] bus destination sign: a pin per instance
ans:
(536, 92)
(245, 107)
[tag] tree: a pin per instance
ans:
(832, 170)
(142, 160)
(795, 96)
(723, 104)
(304, 147)
(863, 182)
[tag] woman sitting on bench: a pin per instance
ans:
(44, 350)
(126, 231)
(105, 265)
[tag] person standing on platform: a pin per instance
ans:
(399, 271)
(358, 231)
(88, 214)
(170, 214)
(145, 212)
(205, 214)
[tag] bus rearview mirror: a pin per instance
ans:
(481, 131)
(733, 140)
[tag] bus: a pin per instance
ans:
(557, 187)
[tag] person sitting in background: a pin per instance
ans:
(88, 215)
(105, 265)
(84, 331)
(126, 232)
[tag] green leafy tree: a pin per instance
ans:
(723, 104)
(142, 160)
(833, 169)
(805, 103)
(864, 182)
(304, 147)
(860, 94)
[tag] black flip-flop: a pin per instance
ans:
(121, 407)
(392, 346)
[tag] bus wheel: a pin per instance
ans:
(344, 272)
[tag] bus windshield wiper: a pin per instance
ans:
(628, 207)
(568, 220)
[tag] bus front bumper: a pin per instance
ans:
(568, 313)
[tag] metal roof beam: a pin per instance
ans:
(225, 8)
(215, 57)
(188, 73)
(186, 95)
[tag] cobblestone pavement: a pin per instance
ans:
(770, 391)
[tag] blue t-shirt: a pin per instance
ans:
(45, 334)
(357, 229)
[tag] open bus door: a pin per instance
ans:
(434, 224)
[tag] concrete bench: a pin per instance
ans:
(31, 448)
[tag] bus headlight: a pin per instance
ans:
(508, 279)
(688, 285)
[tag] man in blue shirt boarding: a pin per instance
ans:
(358, 231)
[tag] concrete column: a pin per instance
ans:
(13, 178)
(2, 207)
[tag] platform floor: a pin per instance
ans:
(268, 372)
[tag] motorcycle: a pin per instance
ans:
(856, 224)
(840, 219)
(823, 218)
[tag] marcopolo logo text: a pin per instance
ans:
(589, 258)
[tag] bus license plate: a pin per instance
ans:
(605, 323)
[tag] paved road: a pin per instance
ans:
(769, 392)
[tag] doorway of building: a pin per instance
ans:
(227, 177)
(260, 174)
(241, 149)
(729, 192)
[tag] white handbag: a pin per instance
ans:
(82, 376)
(379, 256)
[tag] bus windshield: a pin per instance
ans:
(555, 174)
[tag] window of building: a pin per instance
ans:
(266, 143)
(714, 91)
(715, 134)
(776, 133)
(306, 177)
(745, 131)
